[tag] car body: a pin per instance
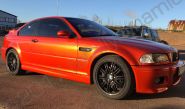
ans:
(80, 48)
(143, 32)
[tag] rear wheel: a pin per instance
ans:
(113, 77)
(13, 64)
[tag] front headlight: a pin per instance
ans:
(154, 58)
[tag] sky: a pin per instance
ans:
(111, 12)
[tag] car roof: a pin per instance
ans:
(57, 17)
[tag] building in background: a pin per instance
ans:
(7, 20)
(176, 25)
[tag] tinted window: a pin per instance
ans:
(30, 29)
(147, 31)
(136, 32)
(88, 28)
(131, 32)
(121, 32)
(50, 27)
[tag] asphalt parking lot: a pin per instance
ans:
(40, 91)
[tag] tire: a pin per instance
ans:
(113, 78)
(13, 63)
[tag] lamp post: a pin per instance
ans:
(58, 7)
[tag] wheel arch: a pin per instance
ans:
(105, 54)
(17, 50)
(10, 48)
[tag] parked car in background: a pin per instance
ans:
(143, 32)
(84, 51)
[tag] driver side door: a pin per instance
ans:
(53, 53)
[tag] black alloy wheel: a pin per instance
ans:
(110, 77)
(13, 64)
(113, 78)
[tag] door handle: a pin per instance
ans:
(34, 40)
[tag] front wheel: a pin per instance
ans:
(13, 64)
(113, 77)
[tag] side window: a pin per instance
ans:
(30, 29)
(125, 32)
(147, 32)
(154, 33)
(137, 32)
(50, 27)
(128, 32)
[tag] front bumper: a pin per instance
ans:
(156, 79)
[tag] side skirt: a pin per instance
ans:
(65, 75)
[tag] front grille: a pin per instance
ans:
(175, 56)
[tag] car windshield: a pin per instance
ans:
(130, 32)
(88, 28)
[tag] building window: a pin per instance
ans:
(11, 20)
(2, 19)
(7, 19)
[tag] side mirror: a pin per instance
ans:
(63, 33)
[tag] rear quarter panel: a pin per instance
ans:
(10, 42)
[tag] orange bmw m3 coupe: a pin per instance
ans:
(84, 51)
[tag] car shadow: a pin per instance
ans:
(169, 94)
(175, 91)
(29, 73)
(172, 106)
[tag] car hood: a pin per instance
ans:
(142, 44)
